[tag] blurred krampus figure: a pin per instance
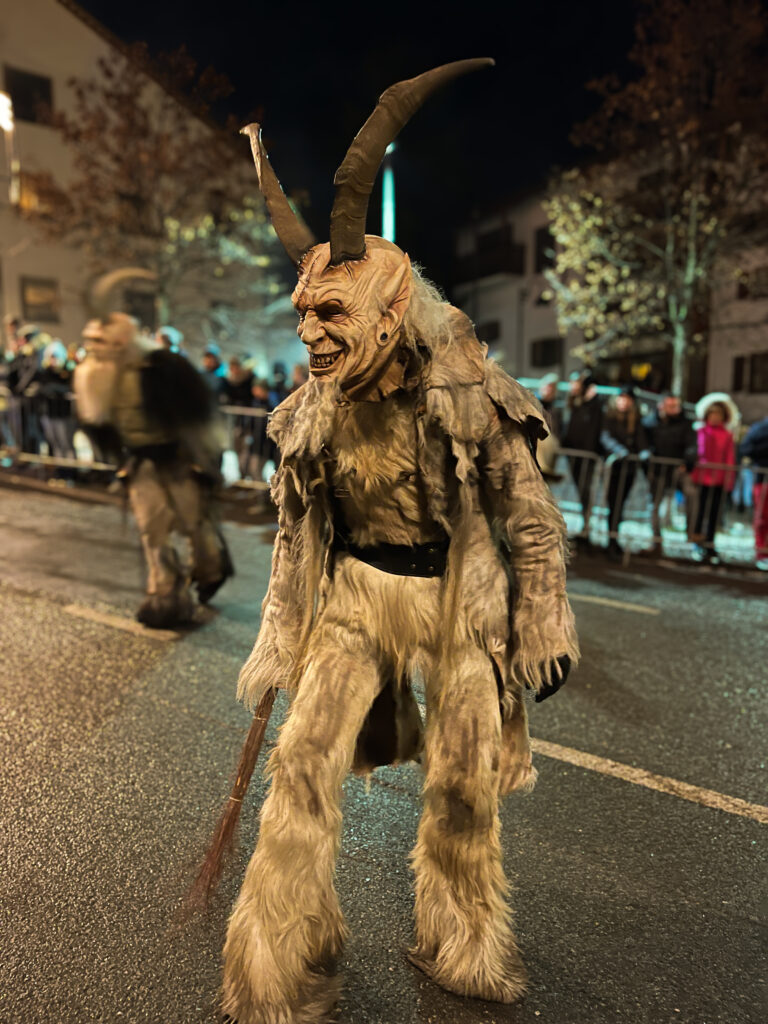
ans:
(417, 538)
(152, 410)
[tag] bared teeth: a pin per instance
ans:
(320, 362)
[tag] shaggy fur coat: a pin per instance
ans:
(467, 431)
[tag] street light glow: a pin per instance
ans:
(6, 112)
(388, 196)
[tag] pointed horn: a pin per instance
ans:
(294, 234)
(99, 293)
(354, 178)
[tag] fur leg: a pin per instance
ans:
(464, 940)
(287, 930)
(169, 600)
(195, 511)
(516, 771)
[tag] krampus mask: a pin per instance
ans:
(353, 291)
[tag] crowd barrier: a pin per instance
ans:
(630, 506)
(56, 448)
(634, 505)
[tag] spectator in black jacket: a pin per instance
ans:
(54, 381)
(670, 435)
(236, 390)
(622, 435)
(213, 370)
(262, 447)
(582, 432)
(755, 448)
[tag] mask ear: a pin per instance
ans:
(396, 295)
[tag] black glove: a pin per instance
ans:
(553, 684)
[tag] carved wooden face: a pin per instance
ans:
(107, 338)
(350, 315)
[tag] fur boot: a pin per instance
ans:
(464, 940)
(287, 929)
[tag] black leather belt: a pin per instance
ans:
(401, 559)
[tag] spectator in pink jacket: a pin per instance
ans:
(716, 450)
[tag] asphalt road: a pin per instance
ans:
(632, 905)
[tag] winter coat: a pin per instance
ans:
(755, 444)
(671, 437)
(54, 388)
(623, 434)
(715, 444)
(585, 424)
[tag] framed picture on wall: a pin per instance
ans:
(40, 299)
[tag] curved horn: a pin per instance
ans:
(354, 178)
(294, 234)
(102, 287)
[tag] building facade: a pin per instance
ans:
(738, 338)
(46, 282)
(500, 284)
(39, 281)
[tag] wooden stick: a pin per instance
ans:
(223, 838)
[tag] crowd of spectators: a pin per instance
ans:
(689, 460)
(37, 412)
(35, 386)
(249, 399)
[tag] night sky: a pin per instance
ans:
(314, 72)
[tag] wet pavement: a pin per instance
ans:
(117, 750)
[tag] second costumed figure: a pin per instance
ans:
(417, 539)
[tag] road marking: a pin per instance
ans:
(118, 622)
(609, 601)
(641, 777)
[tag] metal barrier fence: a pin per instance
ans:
(629, 506)
(654, 505)
(61, 451)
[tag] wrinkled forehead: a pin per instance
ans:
(319, 280)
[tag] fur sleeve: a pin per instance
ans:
(175, 394)
(531, 531)
(274, 654)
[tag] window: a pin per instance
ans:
(32, 95)
(546, 352)
(544, 250)
(40, 299)
(754, 285)
(738, 374)
(497, 238)
(489, 331)
(141, 305)
(34, 197)
(758, 373)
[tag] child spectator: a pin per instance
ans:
(715, 450)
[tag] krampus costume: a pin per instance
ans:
(152, 410)
(417, 540)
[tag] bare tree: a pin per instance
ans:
(156, 183)
(678, 188)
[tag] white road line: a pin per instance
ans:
(638, 776)
(118, 622)
(641, 777)
(609, 601)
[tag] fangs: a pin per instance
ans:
(321, 362)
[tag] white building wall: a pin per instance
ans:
(47, 37)
(44, 38)
(513, 301)
(738, 333)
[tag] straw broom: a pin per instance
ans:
(223, 838)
